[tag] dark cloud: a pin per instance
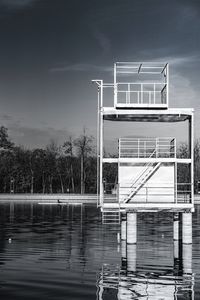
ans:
(80, 68)
(17, 4)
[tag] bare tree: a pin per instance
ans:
(84, 148)
(51, 154)
(68, 149)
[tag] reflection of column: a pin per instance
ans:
(124, 292)
(123, 249)
(12, 210)
(176, 252)
(123, 255)
(187, 258)
(132, 228)
(187, 228)
(123, 227)
(131, 257)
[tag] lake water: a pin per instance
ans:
(64, 252)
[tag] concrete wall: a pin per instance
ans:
(158, 188)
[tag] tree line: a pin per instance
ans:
(67, 168)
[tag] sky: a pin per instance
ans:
(52, 49)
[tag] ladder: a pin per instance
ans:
(142, 179)
(110, 216)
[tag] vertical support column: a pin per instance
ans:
(123, 227)
(101, 189)
(176, 227)
(131, 228)
(167, 84)
(191, 154)
(187, 228)
(115, 85)
(176, 237)
(98, 145)
(175, 183)
(186, 243)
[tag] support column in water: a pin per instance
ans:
(187, 228)
(131, 228)
(123, 227)
(187, 242)
(176, 227)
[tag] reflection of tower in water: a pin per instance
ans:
(126, 282)
(135, 278)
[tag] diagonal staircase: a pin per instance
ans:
(142, 179)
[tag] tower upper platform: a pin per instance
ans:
(141, 85)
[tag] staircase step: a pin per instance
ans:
(110, 216)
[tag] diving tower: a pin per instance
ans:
(146, 178)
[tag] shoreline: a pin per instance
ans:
(50, 198)
(63, 198)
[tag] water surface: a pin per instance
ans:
(64, 252)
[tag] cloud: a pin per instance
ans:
(181, 60)
(16, 4)
(36, 137)
(5, 118)
(32, 137)
(103, 41)
(80, 68)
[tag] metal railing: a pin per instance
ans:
(159, 194)
(134, 93)
(147, 147)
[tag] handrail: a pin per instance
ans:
(142, 92)
(142, 147)
(143, 171)
(148, 191)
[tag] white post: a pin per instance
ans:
(131, 228)
(123, 228)
(101, 189)
(115, 85)
(167, 85)
(191, 150)
(176, 227)
(187, 228)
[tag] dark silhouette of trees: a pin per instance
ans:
(183, 169)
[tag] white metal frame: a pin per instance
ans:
(168, 115)
(131, 68)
